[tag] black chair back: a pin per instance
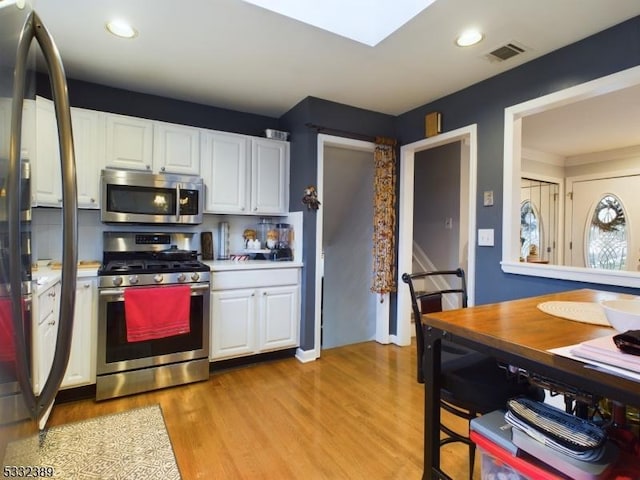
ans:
(431, 301)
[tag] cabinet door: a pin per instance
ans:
(45, 311)
(88, 139)
(82, 359)
(279, 316)
(46, 169)
(269, 176)
(176, 148)
(224, 164)
(233, 321)
(129, 142)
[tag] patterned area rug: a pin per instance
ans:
(128, 445)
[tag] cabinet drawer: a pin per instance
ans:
(254, 278)
(46, 304)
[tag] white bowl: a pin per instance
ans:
(623, 315)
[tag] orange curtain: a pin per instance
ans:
(384, 217)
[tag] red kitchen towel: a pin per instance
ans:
(152, 313)
(7, 343)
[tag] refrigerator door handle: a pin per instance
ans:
(34, 28)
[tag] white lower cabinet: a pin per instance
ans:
(81, 369)
(45, 316)
(261, 318)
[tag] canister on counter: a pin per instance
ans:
(206, 243)
(223, 241)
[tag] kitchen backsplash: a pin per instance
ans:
(46, 240)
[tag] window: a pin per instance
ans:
(529, 231)
(607, 235)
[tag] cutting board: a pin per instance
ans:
(81, 264)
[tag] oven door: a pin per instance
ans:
(116, 354)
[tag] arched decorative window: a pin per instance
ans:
(529, 230)
(606, 240)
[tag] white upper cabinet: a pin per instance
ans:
(88, 141)
(129, 142)
(269, 176)
(45, 167)
(224, 166)
(176, 148)
(245, 175)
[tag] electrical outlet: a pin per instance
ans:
(485, 237)
(488, 198)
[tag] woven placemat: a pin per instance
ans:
(585, 312)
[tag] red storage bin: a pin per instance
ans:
(496, 461)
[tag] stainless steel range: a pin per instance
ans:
(136, 265)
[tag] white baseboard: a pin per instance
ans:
(305, 356)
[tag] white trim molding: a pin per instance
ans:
(512, 172)
(468, 136)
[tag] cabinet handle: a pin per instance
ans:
(255, 209)
(162, 169)
(92, 200)
(86, 285)
(264, 294)
(148, 167)
(52, 322)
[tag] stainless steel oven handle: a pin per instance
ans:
(178, 203)
(119, 292)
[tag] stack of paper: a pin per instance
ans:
(605, 351)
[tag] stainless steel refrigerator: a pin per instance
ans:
(20, 408)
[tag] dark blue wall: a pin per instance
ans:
(115, 100)
(610, 51)
(304, 171)
(483, 104)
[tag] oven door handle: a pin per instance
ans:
(118, 293)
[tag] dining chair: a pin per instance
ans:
(471, 383)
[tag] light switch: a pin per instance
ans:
(485, 237)
(488, 198)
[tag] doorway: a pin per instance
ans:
(348, 312)
(467, 139)
(345, 308)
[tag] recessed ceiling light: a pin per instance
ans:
(468, 38)
(120, 28)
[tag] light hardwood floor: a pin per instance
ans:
(356, 413)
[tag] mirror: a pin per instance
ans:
(569, 191)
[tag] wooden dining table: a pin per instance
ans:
(518, 334)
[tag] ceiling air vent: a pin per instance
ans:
(505, 52)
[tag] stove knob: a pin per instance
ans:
(133, 279)
(117, 281)
(195, 276)
(182, 277)
(157, 278)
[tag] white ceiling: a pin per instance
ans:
(606, 122)
(232, 54)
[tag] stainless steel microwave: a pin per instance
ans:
(139, 197)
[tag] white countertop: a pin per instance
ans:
(226, 265)
(44, 277)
